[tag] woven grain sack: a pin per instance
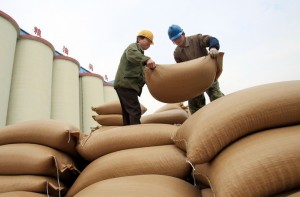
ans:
(173, 83)
(164, 160)
(31, 183)
(34, 159)
(109, 119)
(149, 185)
(22, 194)
(53, 133)
(169, 106)
(112, 107)
(260, 164)
(172, 116)
(98, 144)
(228, 118)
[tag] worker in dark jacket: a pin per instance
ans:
(192, 47)
(130, 77)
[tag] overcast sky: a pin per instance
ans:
(260, 38)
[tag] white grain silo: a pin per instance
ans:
(30, 95)
(9, 32)
(110, 93)
(91, 91)
(65, 90)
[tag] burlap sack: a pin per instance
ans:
(98, 144)
(34, 159)
(141, 185)
(169, 106)
(260, 164)
(164, 160)
(113, 107)
(173, 83)
(53, 133)
(228, 118)
(109, 119)
(31, 183)
(22, 194)
(172, 116)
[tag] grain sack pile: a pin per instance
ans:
(171, 113)
(130, 150)
(110, 113)
(162, 160)
(245, 145)
(238, 145)
(38, 156)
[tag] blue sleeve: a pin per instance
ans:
(214, 43)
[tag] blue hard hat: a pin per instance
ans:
(174, 32)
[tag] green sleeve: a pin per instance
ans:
(135, 55)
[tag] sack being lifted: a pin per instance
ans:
(172, 83)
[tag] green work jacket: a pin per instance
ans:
(130, 73)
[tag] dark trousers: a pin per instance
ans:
(131, 108)
(198, 102)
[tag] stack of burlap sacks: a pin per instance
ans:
(246, 143)
(38, 158)
(110, 114)
(142, 156)
(243, 144)
(171, 113)
(239, 145)
(135, 160)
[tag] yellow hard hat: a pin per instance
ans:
(148, 34)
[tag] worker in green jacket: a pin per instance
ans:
(130, 77)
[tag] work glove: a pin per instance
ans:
(213, 52)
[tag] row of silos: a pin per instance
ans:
(38, 84)
(9, 32)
